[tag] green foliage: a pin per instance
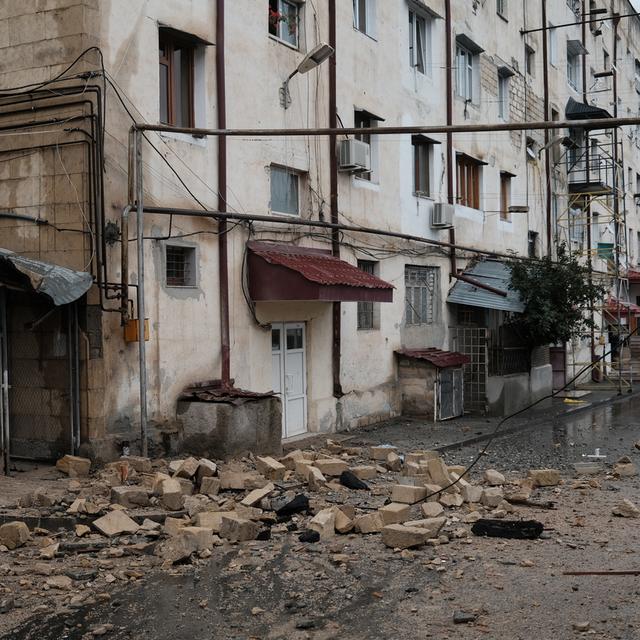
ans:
(555, 294)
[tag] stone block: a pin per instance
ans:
(380, 452)
(289, 461)
(369, 523)
(331, 466)
(364, 472)
(451, 499)
(431, 525)
(74, 466)
(130, 497)
(315, 479)
(302, 468)
(171, 494)
(494, 478)
(14, 534)
(234, 480)
(407, 494)
(324, 523)
(471, 493)
(438, 472)
(115, 523)
(270, 468)
(173, 525)
(206, 469)
(431, 509)
(237, 529)
(545, 477)
(187, 469)
(257, 495)
(397, 536)
(393, 461)
(210, 486)
(492, 496)
(156, 483)
(210, 519)
(395, 513)
(343, 522)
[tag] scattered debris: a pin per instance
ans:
(625, 509)
(74, 466)
(519, 530)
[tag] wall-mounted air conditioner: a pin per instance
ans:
(355, 156)
(442, 215)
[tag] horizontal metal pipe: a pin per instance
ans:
(218, 215)
(479, 284)
(607, 123)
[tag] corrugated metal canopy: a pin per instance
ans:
(494, 274)
(60, 284)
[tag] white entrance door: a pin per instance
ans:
(288, 363)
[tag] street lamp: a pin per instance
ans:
(314, 58)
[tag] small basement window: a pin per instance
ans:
(180, 266)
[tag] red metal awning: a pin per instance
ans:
(287, 272)
(626, 308)
(437, 357)
(634, 276)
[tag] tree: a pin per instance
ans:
(556, 294)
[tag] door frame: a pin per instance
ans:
(282, 353)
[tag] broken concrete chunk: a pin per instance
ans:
(315, 478)
(492, 496)
(210, 486)
(398, 536)
(432, 509)
(494, 478)
(171, 494)
(331, 466)
(187, 469)
(343, 522)
(407, 494)
(625, 509)
(74, 466)
(393, 461)
(324, 523)
(289, 461)
(364, 472)
(270, 468)
(381, 452)
(115, 523)
(257, 495)
(237, 529)
(394, 513)
(369, 523)
(130, 497)
(451, 499)
(14, 534)
(545, 477)
(431, 525)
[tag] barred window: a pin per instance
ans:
(420, 290)
(180, 266)
(366, 310)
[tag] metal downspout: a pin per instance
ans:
(547, 154)
(449, 90)
(140, 292)
(223, 266)
(4, 383)
(333, 171)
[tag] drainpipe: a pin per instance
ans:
(223, 266)
(547, 153)
(449, 92)
(333, 171)
(141, 312)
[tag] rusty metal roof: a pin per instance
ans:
(437, 357)
(317, 266)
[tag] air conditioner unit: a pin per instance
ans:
(442, 215)
(355, 156)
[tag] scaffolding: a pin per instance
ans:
(590, 181)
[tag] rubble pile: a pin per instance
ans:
(108, 527)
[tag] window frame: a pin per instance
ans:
(553, 44)
(191, 265)
(416, 19)
(505, 196)
(422, 163)
(367, 308)
(277, 35)
(465, 73)
(364, 120)
(167, 42)
(427, 288)
(503, 95)
(502, 9)
(364, 21)
(468, 179)
(288, 171)
(574, 69)
(529, 63)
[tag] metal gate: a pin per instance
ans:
(450, 393)
(473, 342)
(41, 367)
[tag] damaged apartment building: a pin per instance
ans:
(263, 327)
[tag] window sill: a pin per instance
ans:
(364, 33)
(502, 17)
(293, 47)
(371, 330)
(197, 141)
(181, 286)
(281, 214)
(369, 184)
(422, 196)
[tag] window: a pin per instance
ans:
(505, 196)
(284, 191)
(637, 75)
(573, 66)
(638, 244)
(637, 191)
(176, 58)
(468, 181)
(501, 8)
(532, 244)
(553, 44)
(464, 72)
(284, 21)
(419, 43)
(422, 154)
(531, 149)
(365, 120)
(420, 289)
(367, 310)
(503, 95)
(529, 60)
(363, 14)
(180, 266)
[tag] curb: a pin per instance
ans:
(535, 423)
